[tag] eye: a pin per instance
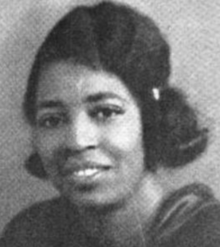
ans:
(51, 121)
(104, 113)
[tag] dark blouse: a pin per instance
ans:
(189, 217)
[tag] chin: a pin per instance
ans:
(95, 201)
(93, 196)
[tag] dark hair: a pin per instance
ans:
(122, 41)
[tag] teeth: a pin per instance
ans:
(87, 172)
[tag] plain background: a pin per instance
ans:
(192, 27)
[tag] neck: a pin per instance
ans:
(128, 224)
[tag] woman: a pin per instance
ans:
(104, 120)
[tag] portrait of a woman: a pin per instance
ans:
(104, 119)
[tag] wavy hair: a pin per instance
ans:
(122, 41)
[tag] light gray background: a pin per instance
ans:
(193, 30)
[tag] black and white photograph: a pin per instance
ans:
(110, 123)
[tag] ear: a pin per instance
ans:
(34, 166)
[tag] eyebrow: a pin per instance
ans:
(102, 96)
(94, 98)
(50, 104)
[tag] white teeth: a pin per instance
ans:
(86, 173)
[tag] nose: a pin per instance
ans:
(83, 133)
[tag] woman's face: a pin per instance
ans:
(89, 134)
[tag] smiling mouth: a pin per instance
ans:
(87, 170)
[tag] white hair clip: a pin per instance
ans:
(156, 93)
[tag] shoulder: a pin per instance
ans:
(35, 226)
(189, 217)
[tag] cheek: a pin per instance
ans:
(125, 140)
(47, 145)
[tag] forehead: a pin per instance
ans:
(72, 82)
